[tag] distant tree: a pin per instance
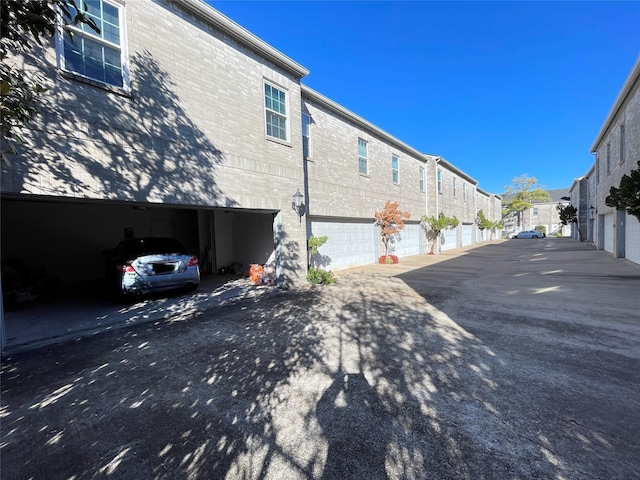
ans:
(569, 214)
(435, 226)
(627, 195)
(391, 222)
(23, 24)
(523, 192)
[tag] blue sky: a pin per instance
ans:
(499, 89)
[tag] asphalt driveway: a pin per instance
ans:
(518, 359)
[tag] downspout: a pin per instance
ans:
(437, 240)
(426, 188)
(426, 204)
(437, 193)
(594, 199)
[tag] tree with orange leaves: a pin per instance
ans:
(391, 222)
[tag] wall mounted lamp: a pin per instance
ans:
(298, 204)
(592, 211)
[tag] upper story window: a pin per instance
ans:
(621, 143)
(464, 192)
(535, 210)
(96, 56)
(421, 178)
(608, 158)
(439, 180)
(453, 185)
(306, 136)
(275, 105)
(395, 169)
(362, 157)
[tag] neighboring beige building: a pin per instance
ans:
(543, 214)
(617, 151)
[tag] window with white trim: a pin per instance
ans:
(96, 56)
(439, 180)
(608, 158)
(421, 178)
(464, 192)
(306, 136)
(453, 185)
(363, 161)
(395, 169)
(275, 106)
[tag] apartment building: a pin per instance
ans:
(541, 214)
(175, 121)
(189, 127)
(455, 195)
(617, 152)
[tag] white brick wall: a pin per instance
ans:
(336, 188)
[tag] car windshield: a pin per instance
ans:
(146, 246)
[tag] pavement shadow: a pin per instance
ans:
(392, 373)
(357, 427)
(122, 405)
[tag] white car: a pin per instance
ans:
(529, 234)
(144, 265)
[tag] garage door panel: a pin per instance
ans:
(632, 239)
(467, 235)
(449, 239)
(409, 243)
(350, 244)
(608, 232)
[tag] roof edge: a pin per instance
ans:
(358, 120)
(242, 35)
(455, 169)
(633, 77)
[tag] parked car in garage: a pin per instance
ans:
(151, 264)
(529, 234)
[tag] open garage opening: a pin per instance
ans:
(57, 250)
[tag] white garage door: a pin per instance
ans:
(467, 235)
(409, 243)
(632, 239)
(608, 232)
(349, 245)
(449, 239)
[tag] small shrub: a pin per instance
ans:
(388, 259)
(320, 276)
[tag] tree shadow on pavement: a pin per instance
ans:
(362, 379)
(356, 425)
